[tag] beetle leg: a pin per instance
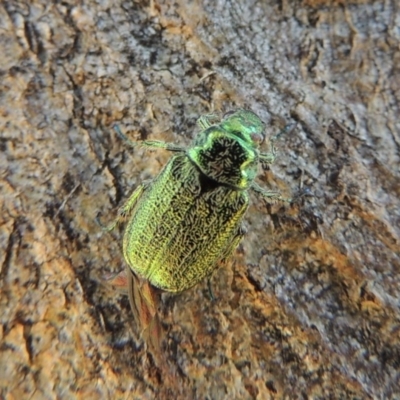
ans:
(269, 193)
(210, 291)
(269, 158)
(125, 210)
(155, 144)
(236, 238)
(206, 120)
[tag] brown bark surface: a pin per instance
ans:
(309, 305)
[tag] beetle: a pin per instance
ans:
(188, 219)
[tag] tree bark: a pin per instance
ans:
(309, 305)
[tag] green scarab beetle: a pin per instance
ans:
(187, 220)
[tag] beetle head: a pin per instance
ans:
(244, 124)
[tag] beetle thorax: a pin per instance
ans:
(225, 158)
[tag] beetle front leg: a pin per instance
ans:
(207, 120)
(156, 144)
(151, 144)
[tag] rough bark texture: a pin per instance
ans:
(309, 306)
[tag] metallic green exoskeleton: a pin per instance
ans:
(189, 217)
(187, 220)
